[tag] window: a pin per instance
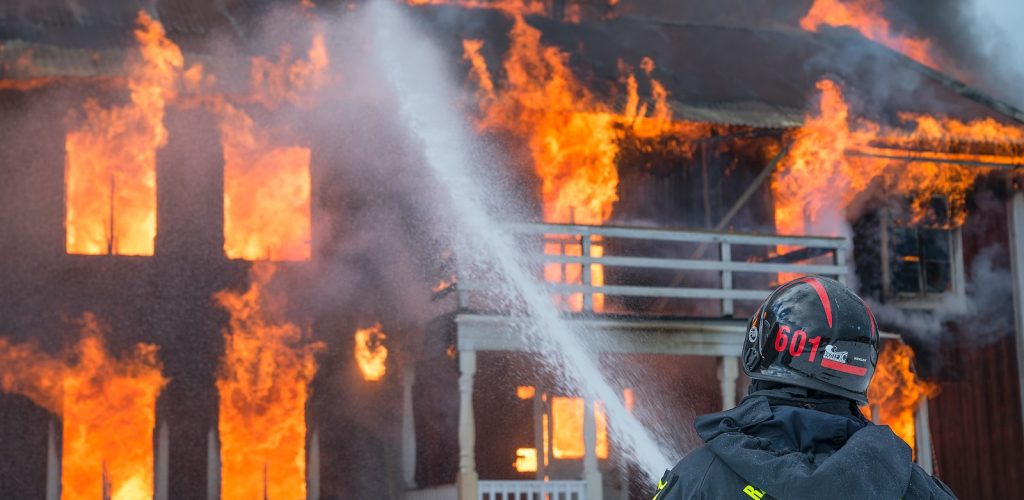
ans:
(920, 264)
(920, 261)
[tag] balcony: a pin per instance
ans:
(632, 290)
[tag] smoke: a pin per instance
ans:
(994, 26)
(980, 317)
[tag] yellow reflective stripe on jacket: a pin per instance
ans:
(753, 492)
(661, 488)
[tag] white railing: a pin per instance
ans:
(531, 490)
(805, 255)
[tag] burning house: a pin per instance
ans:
(227, 273)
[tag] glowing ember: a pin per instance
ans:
(371, 355)
(263, 385)
(526, 460)
(108, 408)
(110, 170)
(525, 391)
(895, 391)
(567, 436)
(266, 192)
(443, 285)
(572, 137)
(866, 17)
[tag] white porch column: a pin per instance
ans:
(467, 479)
(923, 436)
(728, 373)
(591, 475)
(1016, 210)
(408, 425)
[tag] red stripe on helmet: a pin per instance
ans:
(860, 371)
(871, 317)
(823, 295)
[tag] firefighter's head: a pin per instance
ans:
(813, 332)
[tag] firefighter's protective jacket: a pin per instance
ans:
(786, 444)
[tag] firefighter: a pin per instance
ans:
(810, 351)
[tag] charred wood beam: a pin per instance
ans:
(911, 156)
(752, 188)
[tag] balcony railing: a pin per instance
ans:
(577, 250)
(531, 490)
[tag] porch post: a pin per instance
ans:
(408, 425)
(1016, 210)
(923, 436)
(467, 478)
(591, 475)
(728, 373)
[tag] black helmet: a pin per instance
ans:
(813, 332)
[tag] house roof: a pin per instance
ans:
(725, 74)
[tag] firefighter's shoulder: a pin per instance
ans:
(702, 475)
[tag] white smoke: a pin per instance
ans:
(995, 27)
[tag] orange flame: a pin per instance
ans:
(267, 185)
(285, 80)
(567, 436)
(866, 17)
(572, 137)
(834, 157)
(443, 285)
(895, 390)
(110, 170)
(371, 355)
(263, 385)
(108, 407)
(266, 192)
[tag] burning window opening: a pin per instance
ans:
(266, 192)
(921, 262)
(526, 460)
(107, 405)
(525, 392)
(263, 385)
(110, 163)
(567, 441)
(370, 352)
(267, 185)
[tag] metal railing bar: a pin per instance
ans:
(691, 265)
(577, 231)
(655, 291)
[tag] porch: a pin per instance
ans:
(738, 272)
